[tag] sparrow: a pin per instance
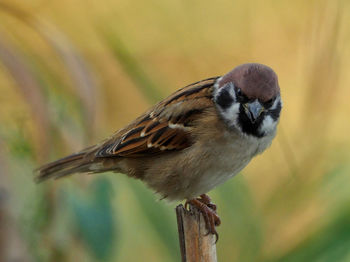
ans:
(192, 141)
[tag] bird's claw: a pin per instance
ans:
(208, 209)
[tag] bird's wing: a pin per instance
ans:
(166, 127)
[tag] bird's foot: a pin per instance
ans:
(208, 209)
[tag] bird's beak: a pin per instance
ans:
(253, 110)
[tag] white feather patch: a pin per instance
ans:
(275, 103)
(230, 114)
(177, 126)
(268, 125)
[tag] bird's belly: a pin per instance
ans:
(217, 172)
(217, 166)
(194, 174)
(213, 178)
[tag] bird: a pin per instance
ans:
(192, 141)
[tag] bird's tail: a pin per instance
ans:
(75, 163)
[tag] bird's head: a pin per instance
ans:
(248, 99)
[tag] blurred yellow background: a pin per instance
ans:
(73, 72)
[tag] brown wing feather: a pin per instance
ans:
(166, 127)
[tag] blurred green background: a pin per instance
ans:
(73, 72)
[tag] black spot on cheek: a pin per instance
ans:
(224, 99)
(275, 113)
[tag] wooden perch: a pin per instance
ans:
(195, 244)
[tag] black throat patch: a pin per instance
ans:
(247, 126)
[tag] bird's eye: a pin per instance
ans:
(240, 96)
(268, 103)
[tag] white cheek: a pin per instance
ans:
(231, 114)
(277, 100)
(268, 125)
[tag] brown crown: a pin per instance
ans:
(255, 81)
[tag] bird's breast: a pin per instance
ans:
(203, 166)
(224, 158)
